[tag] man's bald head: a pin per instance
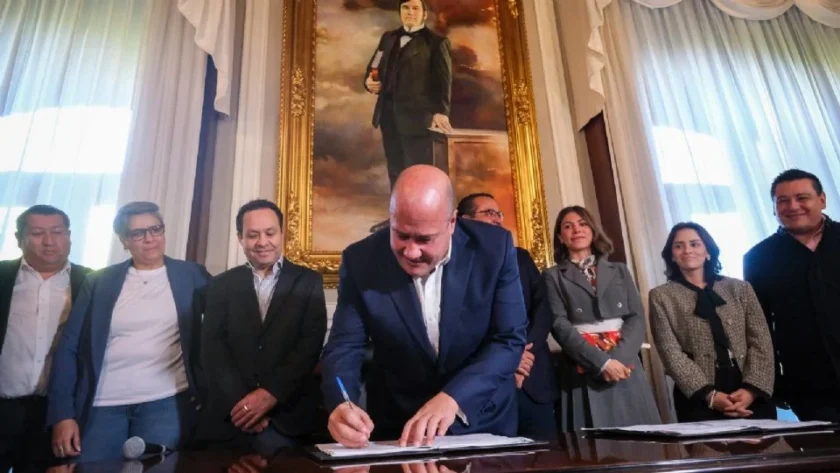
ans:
(423, 188)
(422, 216)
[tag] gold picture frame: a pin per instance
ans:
(296, 137)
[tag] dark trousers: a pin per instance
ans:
(728, 380)
(402, 151)
(816, 410)
(24, 441)
(536, 420)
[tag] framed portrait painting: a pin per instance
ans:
(370, 87)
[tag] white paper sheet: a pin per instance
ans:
(441, 444)
(714, 427)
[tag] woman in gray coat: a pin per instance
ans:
(600, 325)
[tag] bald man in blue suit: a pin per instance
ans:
(440, 302)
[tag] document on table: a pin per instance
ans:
(441, 444)
(400, 460)
(710, 428)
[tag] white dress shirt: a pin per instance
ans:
(264, 286)
(404, 39)
(143, 357)
(429, 289)
(39, 309)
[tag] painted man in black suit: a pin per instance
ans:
(264, 326)
(411, 71)
(36, 292)
(535, 375)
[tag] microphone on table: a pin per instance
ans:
(136, 447)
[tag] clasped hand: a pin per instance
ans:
(615, 371)
(735, 404)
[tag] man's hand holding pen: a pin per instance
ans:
(350, 426)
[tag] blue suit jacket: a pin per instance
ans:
(482, 333)
(78, 358)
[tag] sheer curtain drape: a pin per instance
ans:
(67, 73)
(723, 106)
(163, 146)
(703, 110)
(163, 149)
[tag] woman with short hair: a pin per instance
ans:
(122, 365)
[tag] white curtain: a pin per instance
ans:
(214, 22)
(246, 150)
(706, 109)
(582, 21)
(826, 12)
(163, 148)
(67, 73)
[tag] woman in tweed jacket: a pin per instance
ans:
(711, 333)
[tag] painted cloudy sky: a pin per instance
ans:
(350, 191)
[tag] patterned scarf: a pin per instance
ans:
(587, 266)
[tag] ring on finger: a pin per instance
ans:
(245, 406)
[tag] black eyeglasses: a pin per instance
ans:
(492, 213)
(139, 234)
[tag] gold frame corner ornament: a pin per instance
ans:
(522, 102)
(513, 8)
(297, 105)
(296, 136)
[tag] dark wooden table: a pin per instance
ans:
(578, 452)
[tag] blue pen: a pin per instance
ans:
(346, 397)
(343, 391)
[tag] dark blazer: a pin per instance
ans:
(8, 274)
(572, 298)
(78, 358)
(420, 83)
(798, 290)
(482, 332)
(241, 352)
(541, 385)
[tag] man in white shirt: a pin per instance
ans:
(264, 326)
(35, 296)
(440, 302)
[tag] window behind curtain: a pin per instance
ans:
(731, 103)
(67, 73)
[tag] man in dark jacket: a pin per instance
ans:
(411, 71)
(264, 326)
(36, 292)
(796, 275)
(535, 375)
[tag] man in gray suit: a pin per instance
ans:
(411, 71)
